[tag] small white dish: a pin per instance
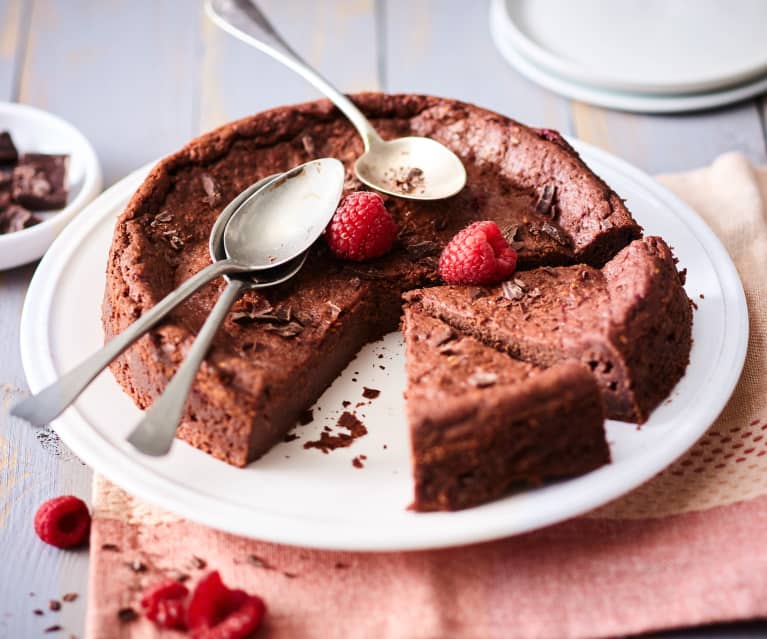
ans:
(36, 131)
(302, 497)
(621, 100)
(642, 46)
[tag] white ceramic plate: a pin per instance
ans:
(36, 131)
(642, 46)
(303, 497)
(613, 99)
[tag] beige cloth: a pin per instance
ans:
(684, 549)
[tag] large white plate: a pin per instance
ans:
(303, 497)
(643, 46)
(613, 99)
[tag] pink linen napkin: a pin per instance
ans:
(686, 548)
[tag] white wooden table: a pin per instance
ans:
(141, 77)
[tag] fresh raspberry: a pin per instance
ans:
(63, 522)
(216, 612)
(165, 605)
(361, 228)
(479, 255)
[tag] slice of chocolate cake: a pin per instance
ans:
(629, 322)
(264, 369)
(482, 423)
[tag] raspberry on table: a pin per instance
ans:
(477, 255)
(218, 612)
(361, 228)
(165, 604)
(63, 522)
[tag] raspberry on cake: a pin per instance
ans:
(479, 254)
(361, 228)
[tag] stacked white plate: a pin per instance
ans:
(655, 56)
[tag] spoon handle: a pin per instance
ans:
(155, 432)
(50, 402)
(244, 20)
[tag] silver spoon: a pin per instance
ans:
(304, 197)
(155, 433)
(425, 168)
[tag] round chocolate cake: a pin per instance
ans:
(280, 348)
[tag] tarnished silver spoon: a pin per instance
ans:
(411, 167)
(268, 231)
(155, 433)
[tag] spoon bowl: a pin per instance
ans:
(412, 167)
(287, 220)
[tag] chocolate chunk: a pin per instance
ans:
(16, 218)
(512, 291)
(39, 181)
(8, 152)
(54, 605)
(370, 393)
(555, 233)
(198, 563)
(546, 199)
(69, 597)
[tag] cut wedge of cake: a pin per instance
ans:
(482, 423)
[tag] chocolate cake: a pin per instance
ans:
(482, 422)
(282, 347)
(629, 322)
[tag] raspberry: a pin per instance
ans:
(164, 604)
(478, 254)
(63, 522)
(216, 612)
(361, 228)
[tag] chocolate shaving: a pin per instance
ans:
(328, 442)
(308, 143)
(370, 393)
(554, 233)
(127, 614)
(512, 291)
(213, 194)
(291, 329)
(357, 462)
(198, 563)
(54, 605)
(176, 242)
(546, 199)
(366, 275)
(482, 379)
(54, 628)
(110, 547)
(69, 597)
(510, 233)
(419, 250)
(534, 293)
(258, 562)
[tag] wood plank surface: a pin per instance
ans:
(338, 38)
(141, 78)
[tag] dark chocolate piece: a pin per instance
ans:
(8, 152)
(16, 218)
(39, 181)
